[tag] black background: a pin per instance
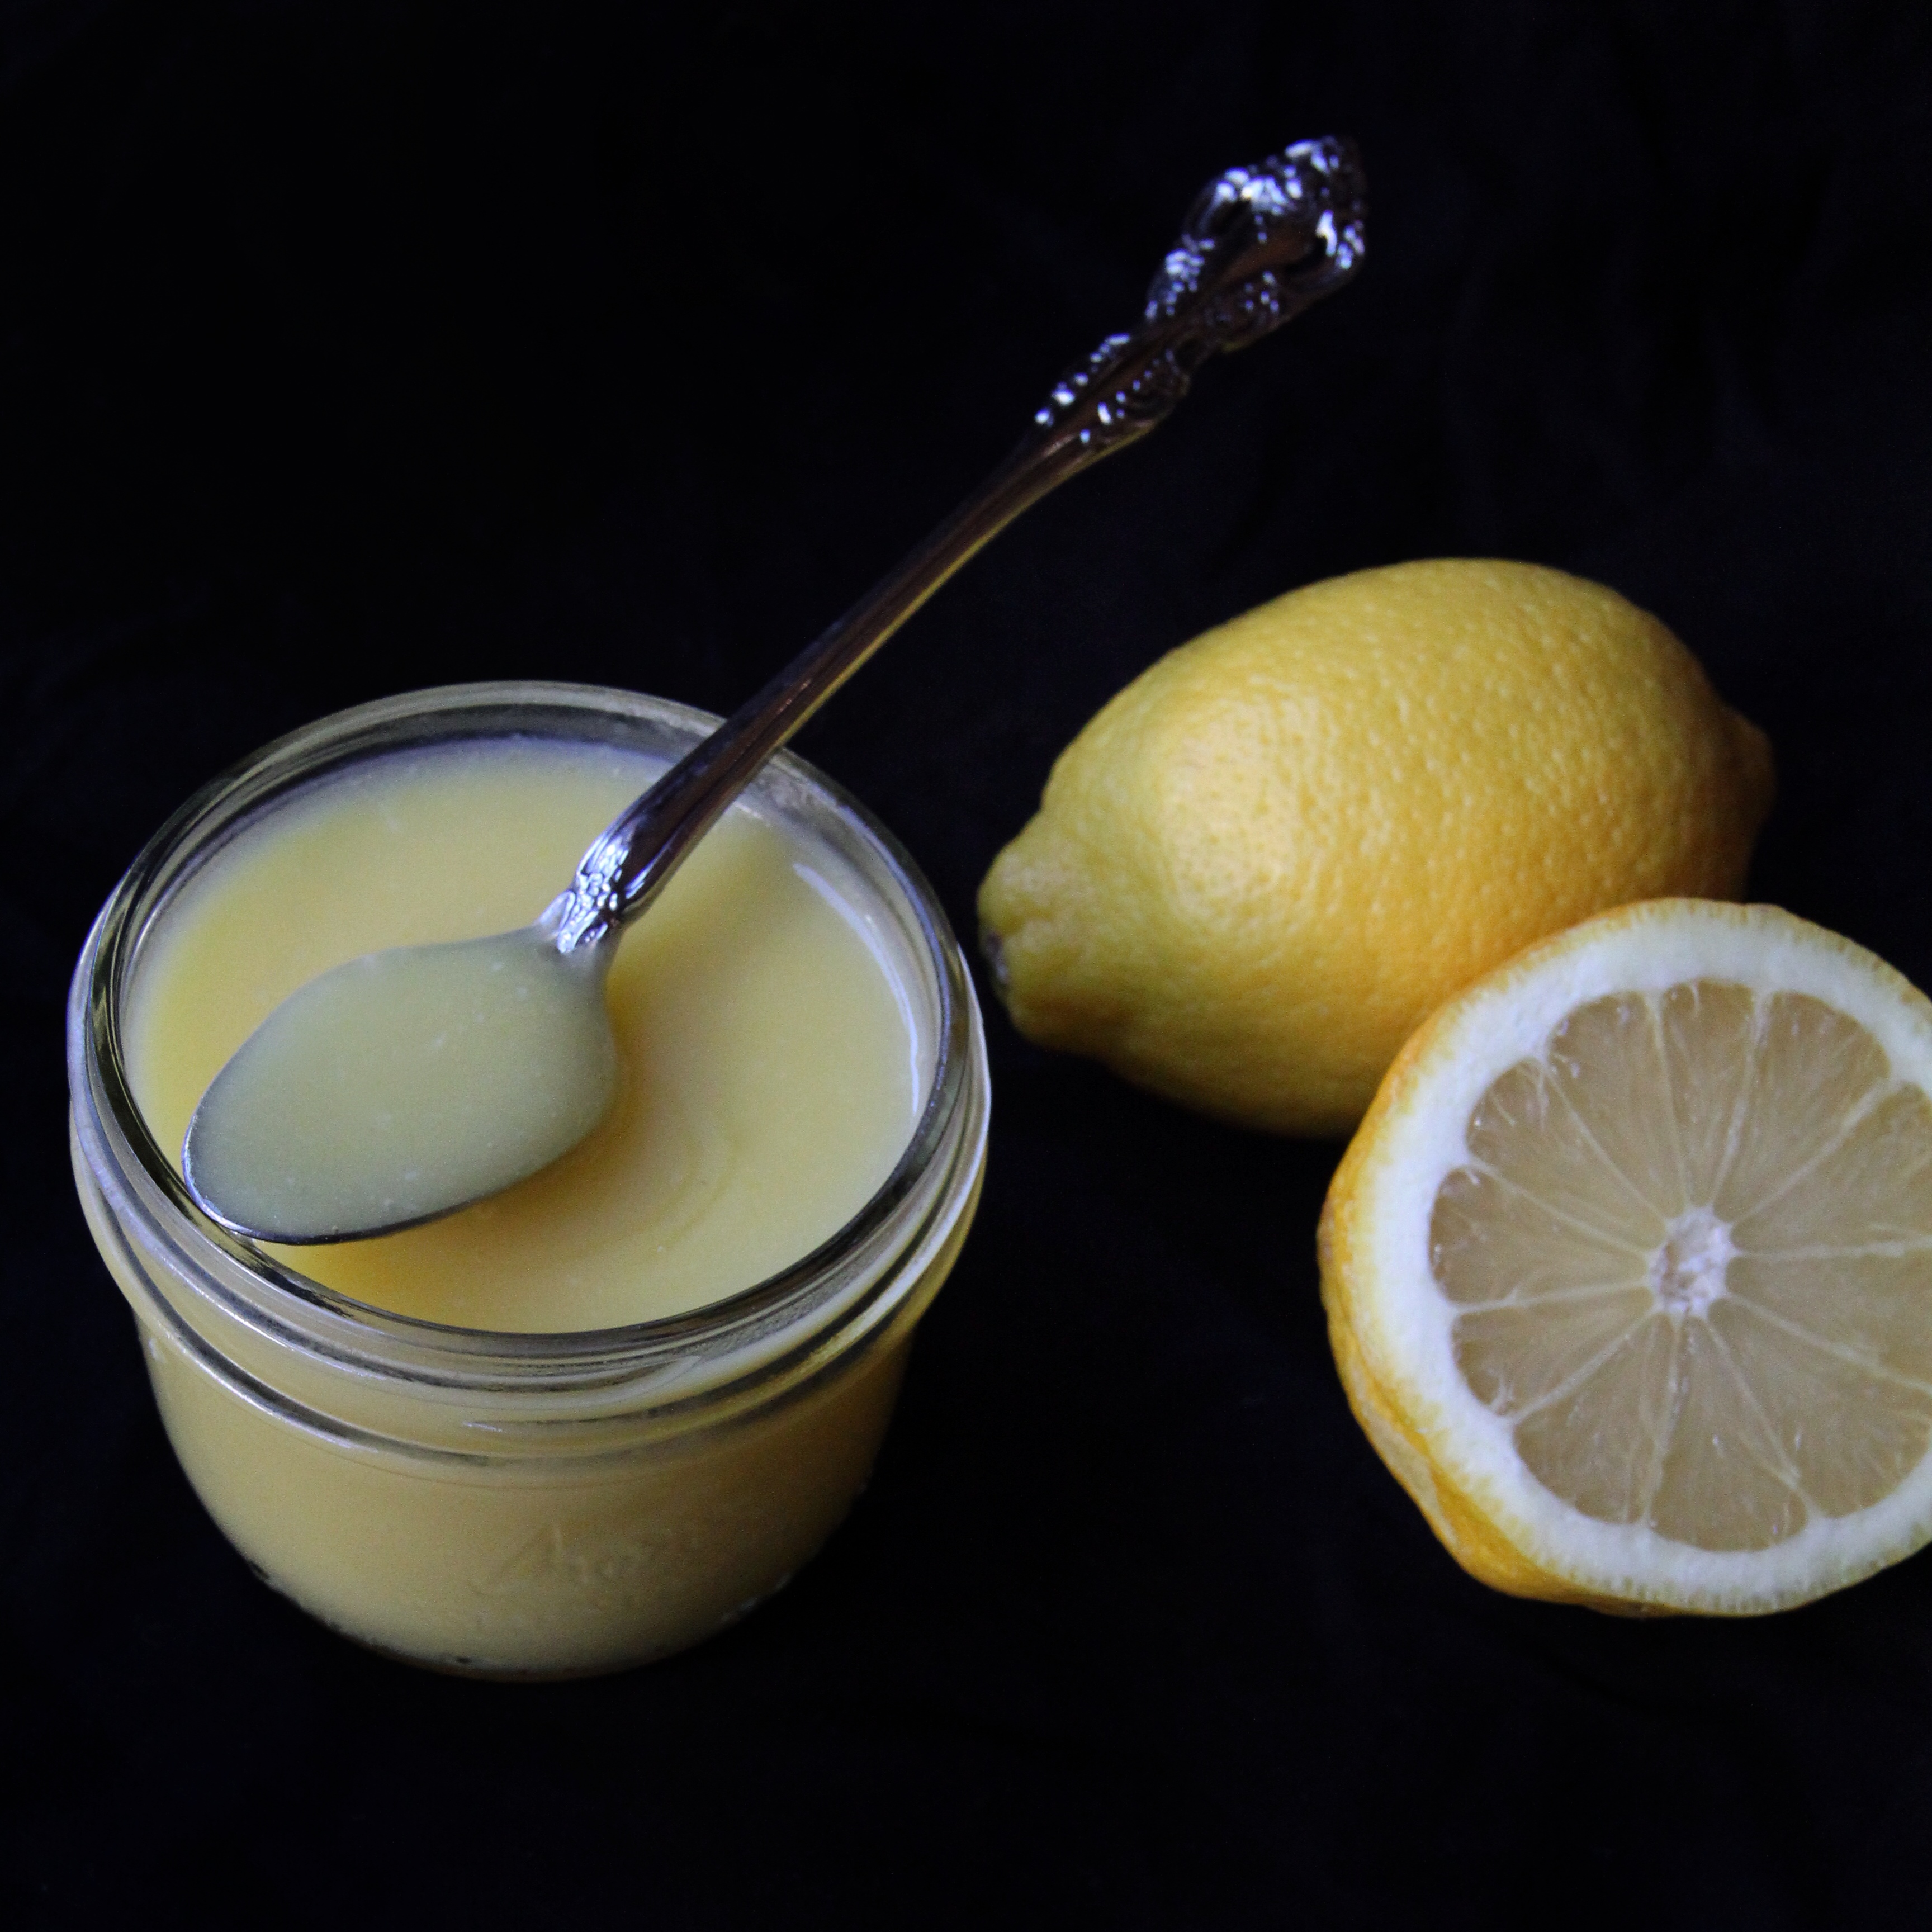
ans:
(347, 348)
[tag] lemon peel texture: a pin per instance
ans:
(1270, 858)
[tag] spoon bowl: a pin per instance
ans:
(406, 1083)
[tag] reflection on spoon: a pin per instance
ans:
(413, 1082)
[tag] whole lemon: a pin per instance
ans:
(1275, 853)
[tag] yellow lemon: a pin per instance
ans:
(1269, 858)
(1629, 1269)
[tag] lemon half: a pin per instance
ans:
(1628, 1271)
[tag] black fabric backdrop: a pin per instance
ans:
(348, 348)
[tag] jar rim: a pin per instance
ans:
(476, 712)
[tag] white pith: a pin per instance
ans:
(1687, 1272)
(1406, 1330)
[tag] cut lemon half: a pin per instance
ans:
(1628, 1270)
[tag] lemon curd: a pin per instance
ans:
(591, 1419)
(766, 1083)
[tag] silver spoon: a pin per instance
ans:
(408, 1083)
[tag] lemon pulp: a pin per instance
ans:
(1690, 1260)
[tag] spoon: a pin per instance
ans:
(408, 1083)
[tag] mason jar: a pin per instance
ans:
(521, 1504)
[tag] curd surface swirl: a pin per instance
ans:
(769, 1061)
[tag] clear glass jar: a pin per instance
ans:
(526, 1504)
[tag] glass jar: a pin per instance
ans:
(526, 1504)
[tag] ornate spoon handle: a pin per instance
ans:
(1260, 244)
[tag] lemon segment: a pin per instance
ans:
(1271, 857)
(1629, 1270)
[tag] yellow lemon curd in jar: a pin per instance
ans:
(770, 1082)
